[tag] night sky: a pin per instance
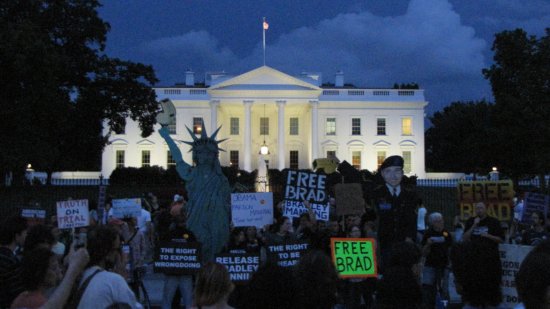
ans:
(442, 45)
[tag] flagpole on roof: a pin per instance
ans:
(265, 26)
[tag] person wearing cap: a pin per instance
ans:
(395, 205)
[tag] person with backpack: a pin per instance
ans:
(100, 287)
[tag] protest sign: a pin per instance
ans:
(73, 213)
(511, 257)
(126, 208)
(252, 209)
(350, 199)
(354, 257)
(178, 258)
(305, 186)
(33, 213)
(240, 266)
(497, 196)
(287, 254)
(534, 202)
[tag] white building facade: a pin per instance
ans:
(297, 118)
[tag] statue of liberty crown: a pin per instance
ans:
(204, 140)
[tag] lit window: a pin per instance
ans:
(407, 168)
(294, 159)
(294, 126)
(145, 158)
(381, 126)
(264, 126)
(119, 158)
(356, 126)
(234, 158)
(356, 159)
(406, 126)
(169, 160)
(330, 126)
(197, 125)
(234, 126)
(380, 157)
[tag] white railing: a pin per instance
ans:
(373, 94)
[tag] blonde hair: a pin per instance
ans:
(212, 285)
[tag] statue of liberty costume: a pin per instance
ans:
(209, 205)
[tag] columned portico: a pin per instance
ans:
(281, 134)
(247, 136)
(314, 129)
(214, 115)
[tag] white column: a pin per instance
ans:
(214, 115)
(247, 136)
(314, 130)
(281, 136)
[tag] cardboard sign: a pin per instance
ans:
(350, 199)
(511, 257)
(354, 257)
(240, 266)
(178, 258)
(497, 196)
(288, 254)
(126, 208)
(252, 209)
(73, 213)
(534, 202)
(305, 186)
(33, 213)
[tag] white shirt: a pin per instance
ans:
(142, 220)
(421, 220)
(105, 289)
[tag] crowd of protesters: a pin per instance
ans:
(41, 267)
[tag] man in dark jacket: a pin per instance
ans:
(395, 206)
(13, 231)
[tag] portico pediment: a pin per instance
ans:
(264, 82)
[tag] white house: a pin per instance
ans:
(298, 118)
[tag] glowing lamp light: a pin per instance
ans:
(264, 150)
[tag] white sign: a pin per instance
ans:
(294, 209)
(33, 213)
(252, 209)
(126, 208)
(511, 257)
(73, 213)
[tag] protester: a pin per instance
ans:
(533, 278)
(253, 242)
(396, 208)
(212, 287)
(436, 244)
(101, 287)
(237, 241)
(420, 220)
(282, 232)
(77, 261)
(271, 287)
(40, 272)
(400, 287)
(478, 274)
(355, 288)
(39, 235)
(136, 243)
(537, 233)
(13, 232)
(483, 227)
(316, 279)
(178, 232)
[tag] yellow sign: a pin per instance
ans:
(497, 196)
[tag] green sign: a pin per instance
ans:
(354, 257)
